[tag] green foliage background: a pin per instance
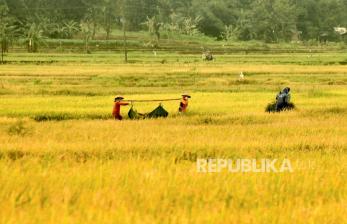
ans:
(266, 20)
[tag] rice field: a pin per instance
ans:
(63, 159)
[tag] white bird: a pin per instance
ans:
(242, 76)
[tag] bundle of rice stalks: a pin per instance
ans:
(271, 107)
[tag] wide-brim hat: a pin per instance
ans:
(118, 98)
(186, 95)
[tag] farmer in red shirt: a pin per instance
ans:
(184, 103)
(116, 108)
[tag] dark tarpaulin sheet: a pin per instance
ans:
(156, 113)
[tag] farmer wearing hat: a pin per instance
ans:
(184, 103)
(116, 108)
(283, 99)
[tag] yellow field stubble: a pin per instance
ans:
(103, 171)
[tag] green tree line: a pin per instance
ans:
(232, 20)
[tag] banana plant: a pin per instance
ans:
(70, 28)
(87, 31)
(34, 37)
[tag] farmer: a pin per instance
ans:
(283, 99)
(184, 103)
(207, 56)
(118, 102)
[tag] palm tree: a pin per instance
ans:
(153, 26)
(8, 32)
